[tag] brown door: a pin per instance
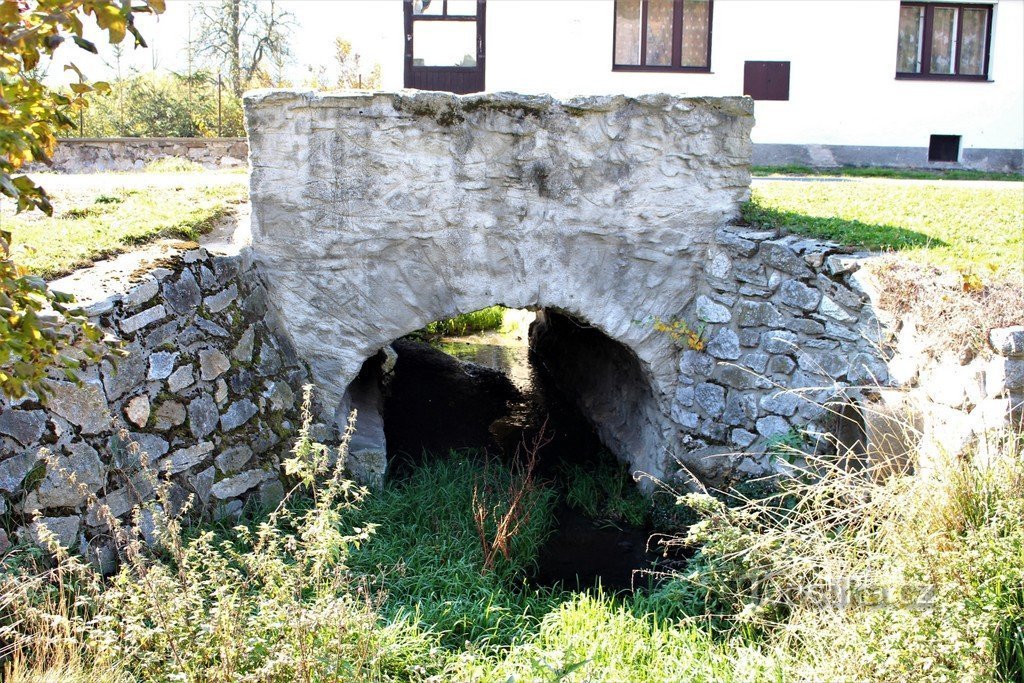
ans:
(444, 45)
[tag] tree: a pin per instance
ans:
(350, 71)
(243, 37)
(32, 340)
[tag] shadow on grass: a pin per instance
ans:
(872, 236)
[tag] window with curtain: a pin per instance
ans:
(662, 35)
(943, 41)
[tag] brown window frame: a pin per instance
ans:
(458, 79)
(677, 41)
(926, 42)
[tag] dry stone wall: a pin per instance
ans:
(91, 155)
(207, 392)
(790, 331)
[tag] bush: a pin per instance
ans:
(163, 105)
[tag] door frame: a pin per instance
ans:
(462, 79)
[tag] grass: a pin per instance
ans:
(486, 319)
(91, 224)
(174, 165)
(342, 585)
(605, 491)
(426, 558)
(874, 172)
(978, 230)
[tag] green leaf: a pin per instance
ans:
(86, 45)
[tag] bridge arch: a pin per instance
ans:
(375, 214)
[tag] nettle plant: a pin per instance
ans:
(37, 324)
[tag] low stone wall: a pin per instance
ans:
(89, 155)
(207, 391)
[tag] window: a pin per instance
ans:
(662, 35)
(942, 41)
(944, 148)
(444, 45)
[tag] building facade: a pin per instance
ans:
(858, 82)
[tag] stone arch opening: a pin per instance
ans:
(481, 398)
(416, 395)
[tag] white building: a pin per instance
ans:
(861, 82)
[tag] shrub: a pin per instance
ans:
(163, 105)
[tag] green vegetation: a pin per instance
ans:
(835, 575)
(174, 165)
(970, 229)
(874, 172)
(162, 105)
(426, 555)
(33, 340)
(89, 225)
(605, 491)
(486, 319)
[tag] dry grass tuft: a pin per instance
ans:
(955, 309)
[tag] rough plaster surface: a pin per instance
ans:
(376, 214)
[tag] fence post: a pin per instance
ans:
(220, 133)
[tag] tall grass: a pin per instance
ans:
(427, 559)
(486, 319)
(833, 575)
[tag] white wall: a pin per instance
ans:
(843, 90)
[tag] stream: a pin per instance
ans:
(489, 392)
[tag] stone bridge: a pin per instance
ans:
(374, 215)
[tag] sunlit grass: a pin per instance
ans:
(973, 229)
(87, 225)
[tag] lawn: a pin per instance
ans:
(96, 219)
(975, 229)
(872, 172)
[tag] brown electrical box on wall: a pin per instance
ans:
(766, 80)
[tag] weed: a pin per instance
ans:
(681, 333)
(789, 446)
(512, 513)
(338, 584)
